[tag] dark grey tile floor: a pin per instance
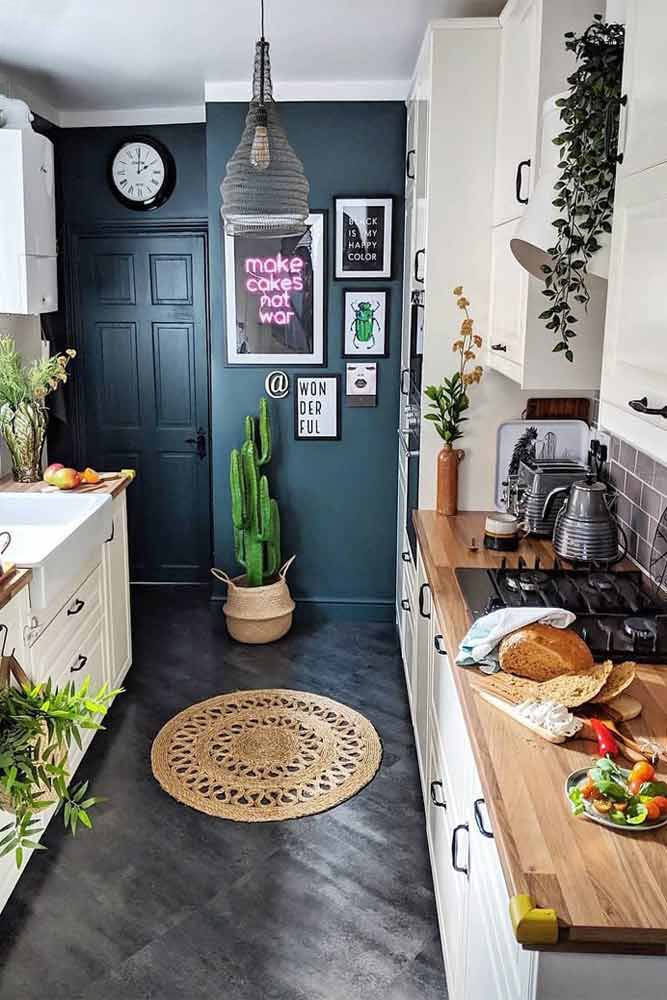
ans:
(162, 902)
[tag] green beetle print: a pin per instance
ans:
(364, 324)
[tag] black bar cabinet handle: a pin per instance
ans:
(82, 661)
(422, 590)
(641, 406)
(499, 347)
(434, 798)
(111, 536)
(76, 607)
(477, 812)
(405, 604)
(455, 845)
(519, 180)
(408, 165)
(404, 391)
(419, 254)
(439, 648)
(611, 133)
(405, 556)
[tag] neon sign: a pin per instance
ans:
(273, 280)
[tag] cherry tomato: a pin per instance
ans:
(661, 802)
(634, 784)
(652, 809)
(643, 771)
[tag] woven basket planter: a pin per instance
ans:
(257, 615)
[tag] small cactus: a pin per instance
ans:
(255, 515)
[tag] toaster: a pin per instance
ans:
(533, 483)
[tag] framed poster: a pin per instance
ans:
(363, 237)
(317, 407)
(275, 297)
(361, 383)
(365, 314)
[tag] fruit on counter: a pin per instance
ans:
(613, 792)
(90, 476)
(51, 470)
(66, 479)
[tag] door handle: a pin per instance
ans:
(611, 151)
(417, 276)
(404, 391)
(76, 606)
(499, 347)
(405, 604)
(200, 442)
(519, 180)
(81, 661)
(439, 648)
(641, 406)
(477, 812)
(405, 556)
(455, 849)
(409, 171)
(422, 591)
(434, 798)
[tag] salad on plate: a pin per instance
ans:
(615, 796)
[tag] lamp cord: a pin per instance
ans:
(261, 64)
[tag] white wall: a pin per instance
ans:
(26, 332)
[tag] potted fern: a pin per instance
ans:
(23, 412)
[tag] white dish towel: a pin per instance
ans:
(479, 646)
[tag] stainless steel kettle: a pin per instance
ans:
(586, 529)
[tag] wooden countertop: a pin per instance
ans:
(608, 888)
(17, 581)
(113, 486)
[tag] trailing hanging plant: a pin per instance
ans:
(585, 189)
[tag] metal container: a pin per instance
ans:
(586, 530)
(535, 482)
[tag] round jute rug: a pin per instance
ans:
(256, 756)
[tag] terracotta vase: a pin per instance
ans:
(448, 480)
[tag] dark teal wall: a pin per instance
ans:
(83, 157)
(337, 499)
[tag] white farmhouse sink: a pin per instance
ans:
(56, 535)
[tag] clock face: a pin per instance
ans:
(142, 174)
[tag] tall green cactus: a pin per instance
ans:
(254, 514)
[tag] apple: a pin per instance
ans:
(50, 471)
(66, 479)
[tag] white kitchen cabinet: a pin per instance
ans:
(28, 230)
(643, 123)
(15, 616)
(517, 108)
(635, 360)
(116, 584)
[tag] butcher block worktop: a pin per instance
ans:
(609, 888)
(113, 486)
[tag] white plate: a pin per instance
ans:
(577, 777)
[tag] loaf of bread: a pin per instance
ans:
(540, 652)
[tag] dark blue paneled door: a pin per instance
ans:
(143, 320)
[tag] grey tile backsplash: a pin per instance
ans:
(641, 483)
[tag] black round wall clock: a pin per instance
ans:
(142, 173)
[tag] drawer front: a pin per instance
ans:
(84, 657)
(79, 615)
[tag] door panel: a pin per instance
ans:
(143, 320)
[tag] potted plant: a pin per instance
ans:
(38, 724)
(23, 412)
(259, 607)
(450, 401)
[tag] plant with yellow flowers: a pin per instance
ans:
(450, 399)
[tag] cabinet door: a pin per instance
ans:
(644, 120)
(14, 616)
(423, 660)
(39, 196)
(509, 288)
(517, 109)
(118, 639)
(635, 360)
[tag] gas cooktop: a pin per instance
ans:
(616, 616)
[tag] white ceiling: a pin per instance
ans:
(85, 56)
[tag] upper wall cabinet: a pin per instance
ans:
(634, 378)
(28, 281)
(534, 65)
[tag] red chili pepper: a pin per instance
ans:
(607, 744)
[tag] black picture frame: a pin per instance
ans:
(278, 360)
(387, 301)
(387, 272)
(168, 185)
(327, 376)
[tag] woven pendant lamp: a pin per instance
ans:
(264, 190)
